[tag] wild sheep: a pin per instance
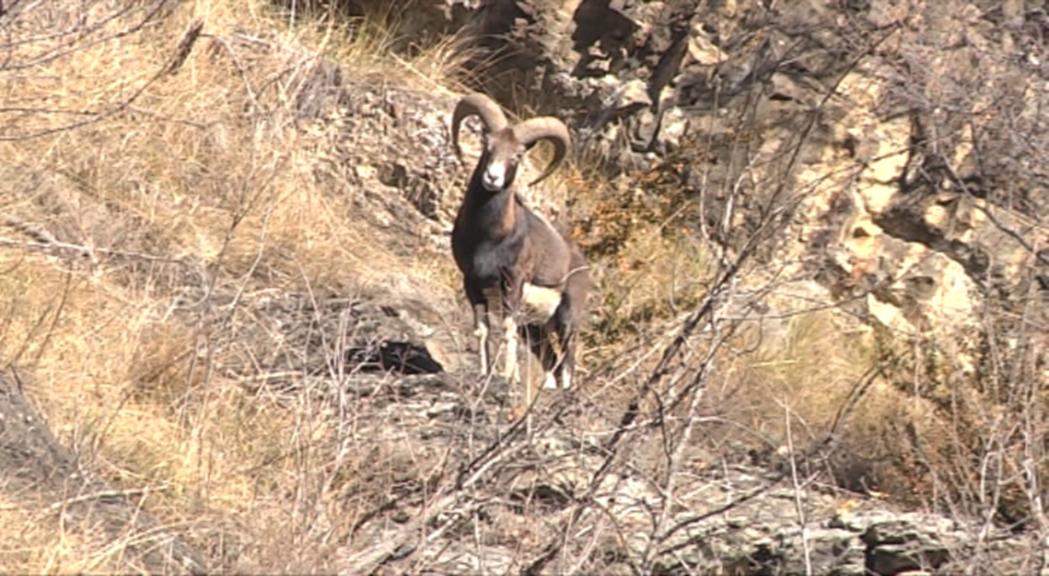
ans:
(506, 251)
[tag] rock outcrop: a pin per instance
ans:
(901, 207)
(900, 144)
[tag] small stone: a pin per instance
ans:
(634, 92)
(365, 171)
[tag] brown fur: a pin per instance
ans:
(499, 243)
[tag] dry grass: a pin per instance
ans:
(372, 46)
(31, 546)
(806, 365)
(199, 188)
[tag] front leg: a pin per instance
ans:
(510, 370)
(512, 291)
(481, 323)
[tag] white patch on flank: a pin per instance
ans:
(540, 302)
(566, 379)
(549, 382)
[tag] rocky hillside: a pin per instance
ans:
(881, 158)
(232, 337)
(900, 138)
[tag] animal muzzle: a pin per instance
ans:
(494, 178)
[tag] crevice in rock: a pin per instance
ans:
(904, 223)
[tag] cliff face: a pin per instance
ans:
(899, 145)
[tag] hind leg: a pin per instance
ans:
(542, 348)
(548, 355)
(564, 368)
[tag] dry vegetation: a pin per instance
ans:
(145, 200)
(139, 206)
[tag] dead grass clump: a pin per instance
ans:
(382, 41)
(811, 376)
(34, 548)
(805, 364)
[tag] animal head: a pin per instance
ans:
(504, 145)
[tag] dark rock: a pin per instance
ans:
(392, 356)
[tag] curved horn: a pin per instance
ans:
(476, 105)
(545, 128)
